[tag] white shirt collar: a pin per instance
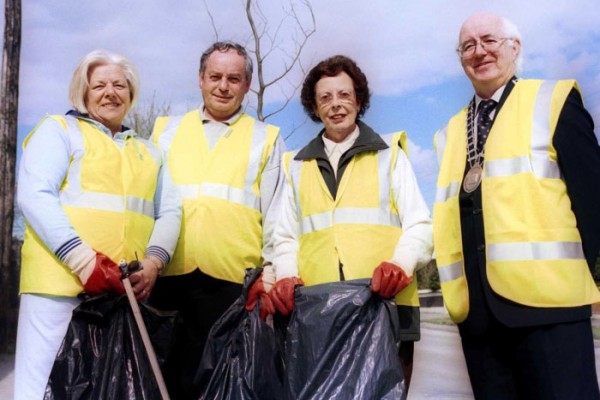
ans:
(341, 147)
(229, 121)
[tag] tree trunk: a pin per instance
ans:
(9, 93)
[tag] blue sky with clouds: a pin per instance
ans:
(406, 49)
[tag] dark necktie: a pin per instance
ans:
(484, 122)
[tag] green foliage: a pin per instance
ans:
(428, 277)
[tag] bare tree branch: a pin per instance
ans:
(266, 39)
(259, 65)
(296, 127)
(289, 64)
(141, 118)
(212, 21)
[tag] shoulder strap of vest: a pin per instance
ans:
(58, 118)
(393, 140)
(439, 142)
(165, 128)
(288, 159)
(387, 163)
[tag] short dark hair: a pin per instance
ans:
(333, 66)
(224, 47)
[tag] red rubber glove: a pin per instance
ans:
(106, 277)
(389, 279)
(257, 290)
(282, 294)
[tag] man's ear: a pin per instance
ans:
(517, 47)
(248, 83)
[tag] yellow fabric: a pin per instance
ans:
(517, 208)
(220, 237)
(358, 248)
(105, 168)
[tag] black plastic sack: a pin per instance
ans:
(242, 359)
(341, 344)
(102, 355)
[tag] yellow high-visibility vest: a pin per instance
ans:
(108, 196)
(533, 247)
(221, 231)
(358, 229)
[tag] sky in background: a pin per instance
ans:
(406, 49)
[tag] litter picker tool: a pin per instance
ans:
(125, 270)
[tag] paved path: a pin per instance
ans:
(7, 363)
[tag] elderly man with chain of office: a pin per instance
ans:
(226, 165)
(517, 224)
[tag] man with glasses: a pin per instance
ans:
(517, 224)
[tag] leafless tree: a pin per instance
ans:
(265, 41)
(9, 92)
(141, 118)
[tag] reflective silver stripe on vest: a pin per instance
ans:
(539, 164)
(451, 272)
(541, 134)
(507, 167)
(443, 193)
(524, 251)
(219, 191)
(442, 137)
(259, 139)
(140, 206)
(73, 196)
(77, 151)
(234, 195)
(294, 174)
(245, 196)
(189, 191)
(363, 216)
(317, 222)
(347, 215)
(384, 168)
(107, 202)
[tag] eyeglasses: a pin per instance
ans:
(489, 44)
(345, 96)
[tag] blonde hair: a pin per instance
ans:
(80, 79)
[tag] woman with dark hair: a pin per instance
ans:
(351, 208)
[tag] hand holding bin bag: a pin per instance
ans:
(341, 344)
(242, 359)
(103, 354)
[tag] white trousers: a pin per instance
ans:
(43, 322)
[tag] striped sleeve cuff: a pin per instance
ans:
(159, 253)
(66, 247)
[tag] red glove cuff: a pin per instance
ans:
(106, 277)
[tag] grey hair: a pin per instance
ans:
(224, 47)
(511, 31)
(80, 80)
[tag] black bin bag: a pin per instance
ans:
(341, 344)
(242, 359)
(103, 356)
